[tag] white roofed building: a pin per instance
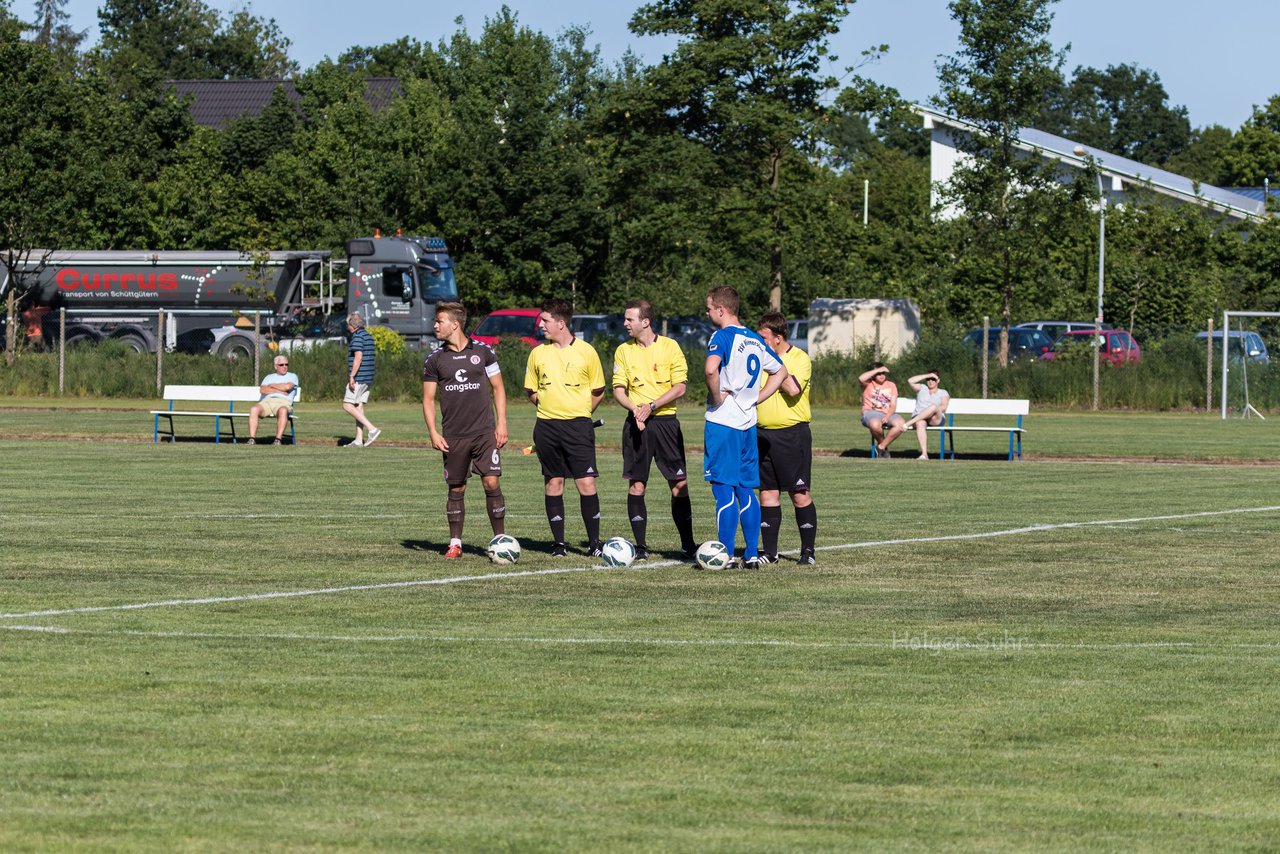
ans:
(1120, 175)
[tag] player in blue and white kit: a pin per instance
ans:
(741, 371)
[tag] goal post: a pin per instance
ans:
(1226, 340)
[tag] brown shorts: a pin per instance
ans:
(468, 454)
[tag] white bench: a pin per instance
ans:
(228, 394)
(1015, 409)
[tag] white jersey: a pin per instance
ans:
(925, 399)
(744, 361)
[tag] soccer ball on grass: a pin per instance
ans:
(713, 555)
(504, 549)
(618, 552)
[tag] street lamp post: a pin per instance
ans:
(1102, 257)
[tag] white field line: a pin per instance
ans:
(926, 643)
(240, 517)
(492, 576)
(1059, 526)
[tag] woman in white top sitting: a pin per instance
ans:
(931, 407)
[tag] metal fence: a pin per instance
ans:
(165, 335)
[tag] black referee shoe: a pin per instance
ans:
(689, 555)
(595, 548)
(768, 559)
(807, 558)
(642, 552)
(560, 550)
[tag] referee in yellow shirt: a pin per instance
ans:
(786, 446)
(566, 381)
(650, 374)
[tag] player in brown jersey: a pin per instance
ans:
(463, 374)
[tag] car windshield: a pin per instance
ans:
(438, 285)
(1030, 338)
(596, 323)
(1236, 347)
(506, 324)
(1023, 343)
(1018, 338)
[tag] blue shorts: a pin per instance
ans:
(731, 456)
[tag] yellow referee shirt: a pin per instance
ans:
(564, 378)
(647, 373)
(783, 410)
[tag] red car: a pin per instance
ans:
(508, 322)
(1117, 346)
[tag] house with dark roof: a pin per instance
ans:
(1120, 175)
(217, 103)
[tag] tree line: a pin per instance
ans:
(737, 159)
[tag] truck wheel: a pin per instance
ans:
(80, 339)
(133, 342)
(235, 347)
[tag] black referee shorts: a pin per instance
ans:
(566, 448)
(661, 440)
(786, 458)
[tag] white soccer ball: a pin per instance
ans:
(618, 552)
(713, 555)
(504, 549)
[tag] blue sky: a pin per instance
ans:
(1212, 59)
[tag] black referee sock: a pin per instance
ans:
(590, 505)
(639, 515)
(555, 515)
(770, 524)
(807, 521)
(682, 515)
(497, 507)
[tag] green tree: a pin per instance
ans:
(251, 48)
(1203, 158)
(53, 30)
(1012, 204)
(41, 123)
(402, 59)
(1124, 110)
(1162, 263)
(746, 80)
(187, 39)
(661, 201)
(1254, 272)
(171, 36)
(341, 149)
(515, 192)
(251, 141)
(1253, 154)
(135, 133)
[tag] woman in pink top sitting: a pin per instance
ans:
(879, 408)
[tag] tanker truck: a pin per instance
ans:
(209, 299)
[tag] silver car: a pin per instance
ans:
(1055, 329)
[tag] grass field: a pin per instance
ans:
(1053, 434)
(217, 648)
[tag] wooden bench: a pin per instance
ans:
(230, 395)
(976, 406)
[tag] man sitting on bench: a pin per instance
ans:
(278, 393)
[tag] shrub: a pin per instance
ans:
(1171, 374)
(387, 340)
